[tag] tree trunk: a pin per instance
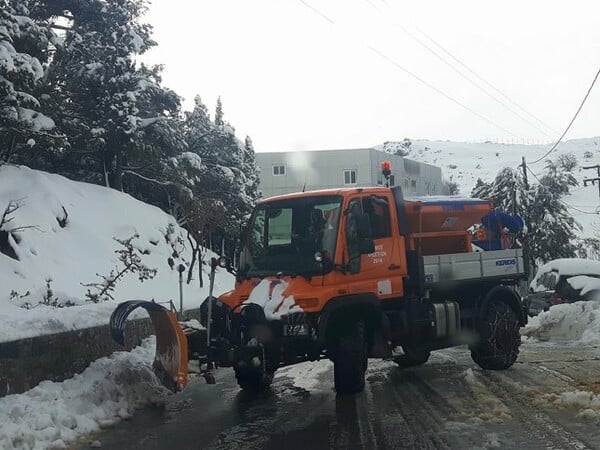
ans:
(107, 164)
(200, 261)
(194, 257)
(118, 173)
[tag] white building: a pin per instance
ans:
(284, 172)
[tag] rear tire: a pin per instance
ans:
(412, 357)
(499, 340)
(350, 361)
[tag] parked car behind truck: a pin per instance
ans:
(348, 275)
(566, 280)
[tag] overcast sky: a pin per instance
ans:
(293, 78)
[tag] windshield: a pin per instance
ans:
(285, 235)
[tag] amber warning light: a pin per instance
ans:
(386, 168)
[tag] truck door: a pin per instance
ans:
(381, 270)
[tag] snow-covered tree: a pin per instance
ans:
(507, 191)
(115, 112)
(550, 227)
(556, 180)
(251, 170)
(225, 184)
(451, 187)
(219, 113)
(24, 49)
(567, 161)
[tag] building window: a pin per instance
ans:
(392, 181)
(278, 170)
(350, 176)
(413, 185)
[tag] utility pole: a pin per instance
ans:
(593, 181)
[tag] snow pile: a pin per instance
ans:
(52, 415)
(63, 234)
(578, 322)
(586, 402)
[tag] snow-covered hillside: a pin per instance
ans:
(65, 236)
(464, 163)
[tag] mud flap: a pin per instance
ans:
(171, 357)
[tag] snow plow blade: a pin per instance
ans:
(171, 357)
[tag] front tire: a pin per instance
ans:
(499, 340)
(350, 361)
(253, 379)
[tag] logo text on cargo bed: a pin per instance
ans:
(506, 262)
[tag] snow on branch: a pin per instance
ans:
(132, 263)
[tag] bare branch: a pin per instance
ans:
(151, 180)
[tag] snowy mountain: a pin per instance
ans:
(60, 238)
(464, 163)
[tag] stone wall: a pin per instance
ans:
(56, 357)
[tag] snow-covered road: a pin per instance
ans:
(549, 399)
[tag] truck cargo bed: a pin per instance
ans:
(473, 266)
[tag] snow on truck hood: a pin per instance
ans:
(269, 295)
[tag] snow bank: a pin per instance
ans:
(67, 239)
(578, 322)
(52, 415)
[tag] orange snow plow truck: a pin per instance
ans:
(348, 275)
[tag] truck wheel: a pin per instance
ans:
(412, 357)
(350, 361)
(499, 340)
(253, 379)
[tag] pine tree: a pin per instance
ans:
(118, 118)
(550, 228)
(252, 171)
(25, 129)
(219, 113)
(507, 191)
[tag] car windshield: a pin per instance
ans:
(285, 235)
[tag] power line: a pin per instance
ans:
(439, 91)
(421, 80)
(559, 199)
(493, 87)
(454, 68)
(572, 120)
(315, 10)
(486, 81)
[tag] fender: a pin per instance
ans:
(358, 304)
(508, 296)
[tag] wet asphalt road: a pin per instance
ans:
(447, 403)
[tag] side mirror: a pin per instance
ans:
(222, 262)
